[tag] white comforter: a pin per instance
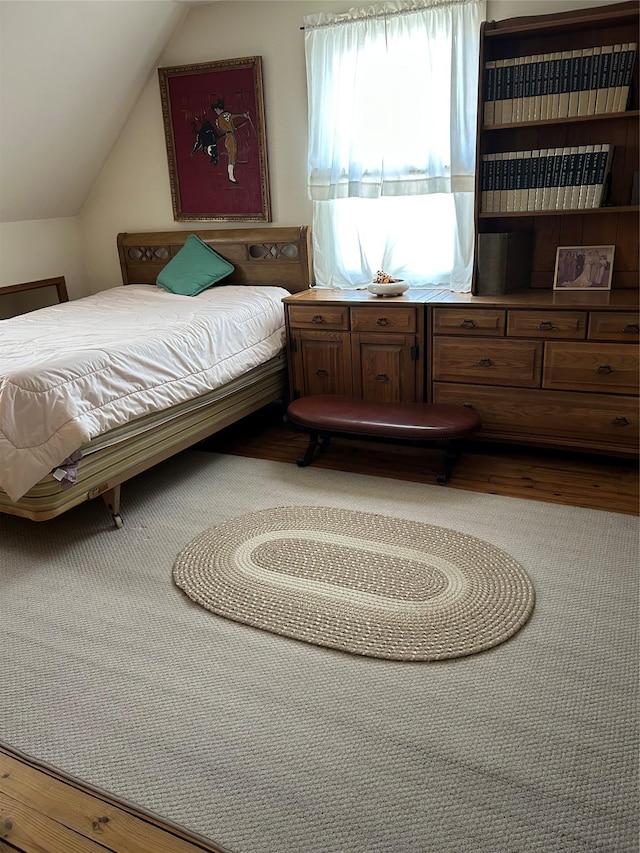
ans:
(73, 371)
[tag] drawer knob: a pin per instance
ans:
(468, 324)
(631, 329)
(545, 326)
(382, 321)
(620, 421)
(317, 318)
(382, 377)
(322, 372)
(604, 369)
(485, 362)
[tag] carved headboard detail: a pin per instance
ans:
(260, 256)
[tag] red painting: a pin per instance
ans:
(215, 135)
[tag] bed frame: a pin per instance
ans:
(260, 256)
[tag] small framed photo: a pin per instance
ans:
(583, 268)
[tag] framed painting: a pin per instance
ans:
(215, 135)
(583, 268)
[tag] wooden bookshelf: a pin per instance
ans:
(615, 223)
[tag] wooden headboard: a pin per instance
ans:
(263, 256)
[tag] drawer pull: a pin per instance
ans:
(382, 377)
(317, 318)
(545, 326)
(382, 321)
(468, 324)
(604, 369)
(620, 421)
(485, 362)
(631, 329)
(322, 372)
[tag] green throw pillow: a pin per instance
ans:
(193, 269)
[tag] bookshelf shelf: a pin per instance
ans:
(549, 162)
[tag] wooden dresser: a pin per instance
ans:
(556, 369)
(548, 368)
(349, 342)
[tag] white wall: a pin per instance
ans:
(43, 248)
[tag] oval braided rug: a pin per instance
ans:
(363, 583)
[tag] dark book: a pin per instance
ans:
(518, 85)
(507, 100)
(565, 84)
(627, 61)
(585, 81)
(599, 195)
(574, 170)
(596, 62)
(552, 198)
(586, 172)
(539, 77)
(614, 76)
(603, 82)
(489, 91)
(554, 86)
(499, 91)
(574, 81)
(534, 179)
(519, 182)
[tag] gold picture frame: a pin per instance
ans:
(215, 134)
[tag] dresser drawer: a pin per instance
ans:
(475, 321)
(607, 368)
(402, 319)
(319, 317)
(547, 324)
(588, 421)
(614, 326)
(494, 362)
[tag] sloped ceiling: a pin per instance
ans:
(70, 72)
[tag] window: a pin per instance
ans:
(392, 125)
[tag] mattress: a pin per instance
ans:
(116, 456)
(75, 371)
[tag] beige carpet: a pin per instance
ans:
(360, 582)
(269, 745)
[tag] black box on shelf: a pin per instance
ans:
(504, 262)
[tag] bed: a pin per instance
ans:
(165, 362)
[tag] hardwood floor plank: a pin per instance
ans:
(36, 800)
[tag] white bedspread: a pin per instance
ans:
(73, 371)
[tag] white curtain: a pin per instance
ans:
(392, 92)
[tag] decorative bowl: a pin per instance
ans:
(392, 288)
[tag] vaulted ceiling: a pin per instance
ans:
(70, 73)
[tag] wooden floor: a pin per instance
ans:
(554, 476)
(41, 811)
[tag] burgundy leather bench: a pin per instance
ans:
(435, 424)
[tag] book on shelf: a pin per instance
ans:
(614, 71)
(596, 61)
(603, 81)
(575, 80)
(507, 91)
(565, 84)
(562, 84)
(596, 195)
(553, 100)
(582, 100)
(560, 178)
(623, 82)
